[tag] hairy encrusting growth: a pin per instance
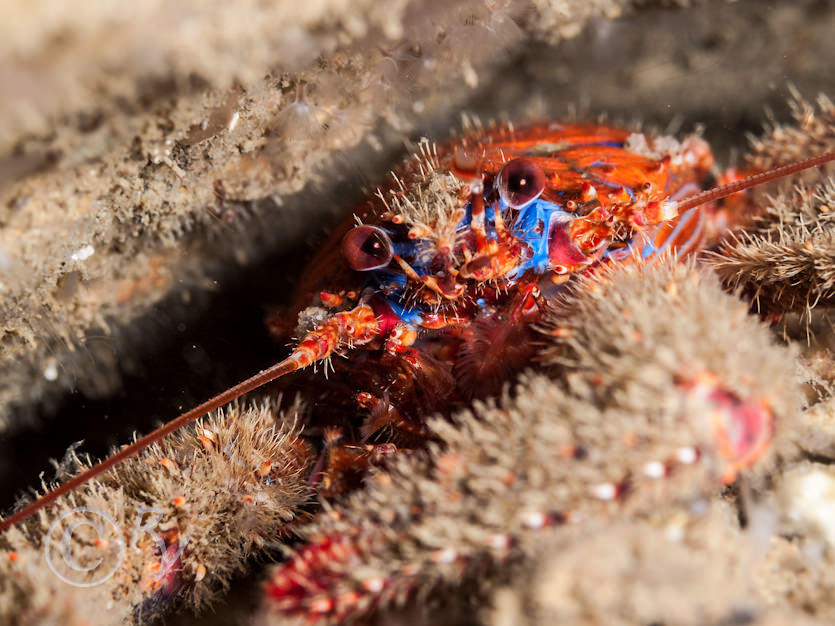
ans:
(812, 132)
(30, 595)
(785, 260)
(432, 206)
(176, 522)
(672, 325)
(677, 568)
(662, 372)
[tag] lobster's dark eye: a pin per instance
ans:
(366, 248)
(521, 181)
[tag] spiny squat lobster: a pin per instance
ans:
(432, 292)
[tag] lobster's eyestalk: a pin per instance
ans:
(343, 329)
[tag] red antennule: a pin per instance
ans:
(752, 181)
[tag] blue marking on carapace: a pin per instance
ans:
(489, 217)
(407, 314)
(404, 249)
(524, 227)
(385, 277)
(392, 287)
(533, 226)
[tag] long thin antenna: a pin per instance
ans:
(752, 181)
(261, 378)
(354, 327)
